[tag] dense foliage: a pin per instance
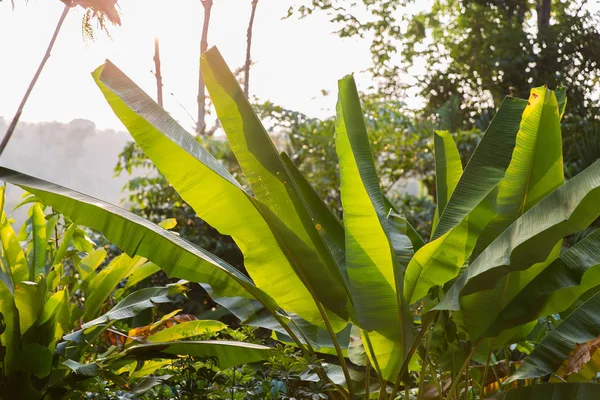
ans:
(371, 308)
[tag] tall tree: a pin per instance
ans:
(469, 47)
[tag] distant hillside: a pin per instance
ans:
(75, 155)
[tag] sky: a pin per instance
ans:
(294, 59)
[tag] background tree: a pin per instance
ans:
(500, 46)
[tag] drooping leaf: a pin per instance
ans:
(582, 325)
(91, 369)
(272, 252)
(186, 330)
(571, 275)
(135, 303)
(376, 278)
(228, 353)
(135, 235)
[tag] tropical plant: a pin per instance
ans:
(53, 279)
(435, 318)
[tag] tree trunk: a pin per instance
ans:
(201, 123)
(157, 73)
(17, 116)
(248, 48)
(543, 8)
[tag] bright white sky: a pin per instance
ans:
(294, 59)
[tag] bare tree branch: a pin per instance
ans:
(201, 123)
(17, 116)
(248, 47)
(157, 73)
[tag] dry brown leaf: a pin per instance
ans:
(581, 355)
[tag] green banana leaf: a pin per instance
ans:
(16, 267)
(88, 264)
(579, 327)
(29, 300)
(35, 359)
(557, 287)
(328, 225)
(530, 239)
(135, 303)
(536, 167)
(186, 329)
(486, 167)
(104, 282)
(38, 243)
(91, 369)
(470, 207)
(140, 273)
(269, 179)
(376, 278)
(534, 171)
(416, 239)
(135, 235)
(11, 335)
(448, 170)
(272, 252)
(64, 244)
(555, 391)
(228, 353)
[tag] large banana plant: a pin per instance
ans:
(318, 280)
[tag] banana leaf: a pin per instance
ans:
(272, 252)
(228, 353)
(137, 236)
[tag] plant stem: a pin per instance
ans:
(487, 364)
(410, 353)
(306, 349)
(436, 381)
(367, 379)
(425, 366)
(462, 369)
(17, 116)
(248, 46)
(338, 349)
(233, 385)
